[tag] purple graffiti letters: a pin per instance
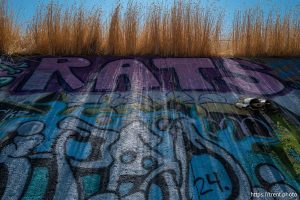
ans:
(249, 80)
(138, 74)
(187, 70)
(209, 74)
(49, 66)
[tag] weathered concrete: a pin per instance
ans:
(147, 128)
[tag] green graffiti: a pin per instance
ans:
(289, 144)
(91, 184)
(11, 70)
(5, 80)
(38, 184)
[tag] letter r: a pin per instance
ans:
(48, 66)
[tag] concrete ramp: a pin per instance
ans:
(149, 128)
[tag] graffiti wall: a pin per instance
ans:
(148, 128)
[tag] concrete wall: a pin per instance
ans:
(147, 128)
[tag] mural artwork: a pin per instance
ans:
(148, 128)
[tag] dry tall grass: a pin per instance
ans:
(9, 31)
(180, 31)
(183, 30)
(71, 32)
(254, 35)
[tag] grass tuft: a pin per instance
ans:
(255, 35)
(184, 29)
(71, 32)
(9, 31)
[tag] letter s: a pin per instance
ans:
(262, 84)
